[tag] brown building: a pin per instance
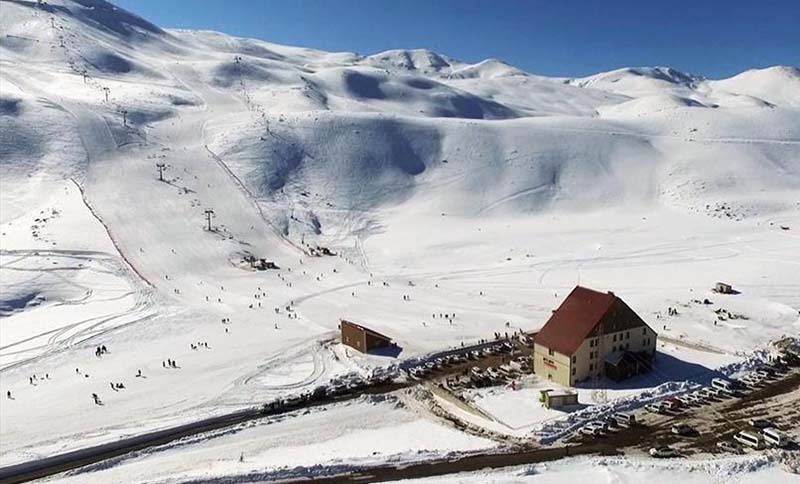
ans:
(361, 338)
(593, 334)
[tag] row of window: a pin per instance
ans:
(627, 336)
(595, 342)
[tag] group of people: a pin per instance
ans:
(100, 351)
(33, 379)
(199, 344)
(169, 364)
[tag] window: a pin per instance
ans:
(550, 352)
(627, 335)
(644, 331)
(574, 359)
(573, 371)
(591, 366)
(615, 337)
(613, 348)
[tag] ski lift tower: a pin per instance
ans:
(209, 213)
(161, 167)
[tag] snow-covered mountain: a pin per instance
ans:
(476, 188)
(363, 132)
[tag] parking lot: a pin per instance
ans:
(706, 421)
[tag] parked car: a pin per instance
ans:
(674, 404)
(598, 425)
(763, 374)
(611, 423)
(749, 439)
(625, 419)
(760, 423)
(753, 379)
(751, 382)
(683, 430)
(775, 437)
(709, 393)
(723, 384)
(664, 452)
(779, 367)
(729, 446)
(591, 431)
(655, 408)
(696, 398)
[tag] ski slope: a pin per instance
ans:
(480, 190)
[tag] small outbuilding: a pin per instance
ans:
(723, 288)
(264, 264)
(361, 338)
(558, 398)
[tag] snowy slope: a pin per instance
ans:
(475, 188)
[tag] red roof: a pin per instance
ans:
(575, 319)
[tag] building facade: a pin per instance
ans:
(361, 338)
(586, 337)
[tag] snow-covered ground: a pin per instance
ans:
(613, 470)
(351, 434)
(475, 190)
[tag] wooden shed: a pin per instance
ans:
(362, 338)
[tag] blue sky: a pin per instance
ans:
(714, 38)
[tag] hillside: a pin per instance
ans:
(476, 188)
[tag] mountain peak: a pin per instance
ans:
(422, 60)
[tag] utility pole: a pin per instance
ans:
(105, 89)
(161, 167)
(209, 213)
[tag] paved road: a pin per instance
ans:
(47, 466)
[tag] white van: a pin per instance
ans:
(749, 439)
(775, 437)
(722, 384)
(625, 419)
